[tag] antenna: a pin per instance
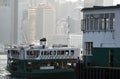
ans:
(68, 30)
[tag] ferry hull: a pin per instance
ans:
(57, 75)
(21, 70)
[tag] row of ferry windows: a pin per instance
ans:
(59, 52)
(36, 52)
(13, 52)
(98, 22)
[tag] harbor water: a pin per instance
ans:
(3, 73)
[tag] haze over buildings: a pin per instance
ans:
(91, 3)
(25, 21)
(42, 22)
(8, 21)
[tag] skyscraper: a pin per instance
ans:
(42, 22)
(8, 21)
(103, 2)
(14, 21)
(91, 3)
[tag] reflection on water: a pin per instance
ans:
(3, 73)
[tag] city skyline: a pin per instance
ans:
(63, 27)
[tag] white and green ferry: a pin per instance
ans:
(42, 61)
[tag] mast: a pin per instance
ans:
(68, 30)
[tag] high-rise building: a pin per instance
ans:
(31, 31)
(8, 21)
(22, 17)
(103, 2)
(14, 21)
(91, 3)
(42, 22)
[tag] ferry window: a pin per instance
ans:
(54, 52)
(27, 52)
(41, 52)
(17, 53)
(13, 52)
(81, 52)
(62, 52)
(67, 52)
(36, 53)
(8, 51)
(72, 52)
(31, 53)
(51, 52)
(46, 53)
(58, 52)
(88, 47)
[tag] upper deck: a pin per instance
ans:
(39, 53)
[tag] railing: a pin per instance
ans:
(50, 57)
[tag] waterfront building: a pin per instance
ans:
(101, 35)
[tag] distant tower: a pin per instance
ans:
(103, 2)
(47, 22)
(31, 31)
(14, 21)
(8, 21)
(42, 20)
(91, 3)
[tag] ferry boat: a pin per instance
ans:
(101, 43)
(43, 62)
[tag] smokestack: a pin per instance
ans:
(43, 42)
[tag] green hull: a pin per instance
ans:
(20, 69)
(61, 75)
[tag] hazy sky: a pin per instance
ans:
(116, 1)
(72, 0)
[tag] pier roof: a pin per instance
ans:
(100, 7)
